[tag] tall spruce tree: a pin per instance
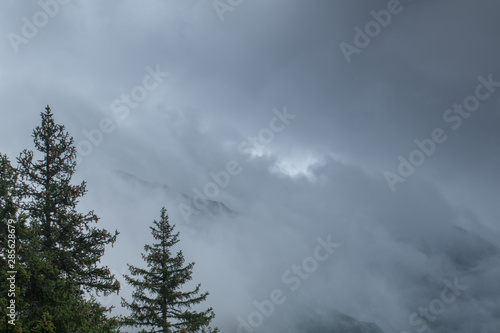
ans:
(159, 303)
(65, 246)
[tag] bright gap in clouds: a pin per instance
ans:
(298, 165)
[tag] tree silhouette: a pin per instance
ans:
(158, 300)
(63, 247)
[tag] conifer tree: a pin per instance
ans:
(8, 190)
(159, 303)
(11, 227)
(65, 246)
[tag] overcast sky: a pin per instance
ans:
(311, 109)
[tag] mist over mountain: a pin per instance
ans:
(331, 166)
(208, 206)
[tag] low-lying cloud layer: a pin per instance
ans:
(265, 141)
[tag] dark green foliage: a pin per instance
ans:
(59, 248)
(8, 190)
(159, 303)
(69, 238)
(9, 250)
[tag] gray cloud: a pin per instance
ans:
(322, 175)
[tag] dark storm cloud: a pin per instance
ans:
(322, 175)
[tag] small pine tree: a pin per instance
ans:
(158, 301)
(65, 247)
